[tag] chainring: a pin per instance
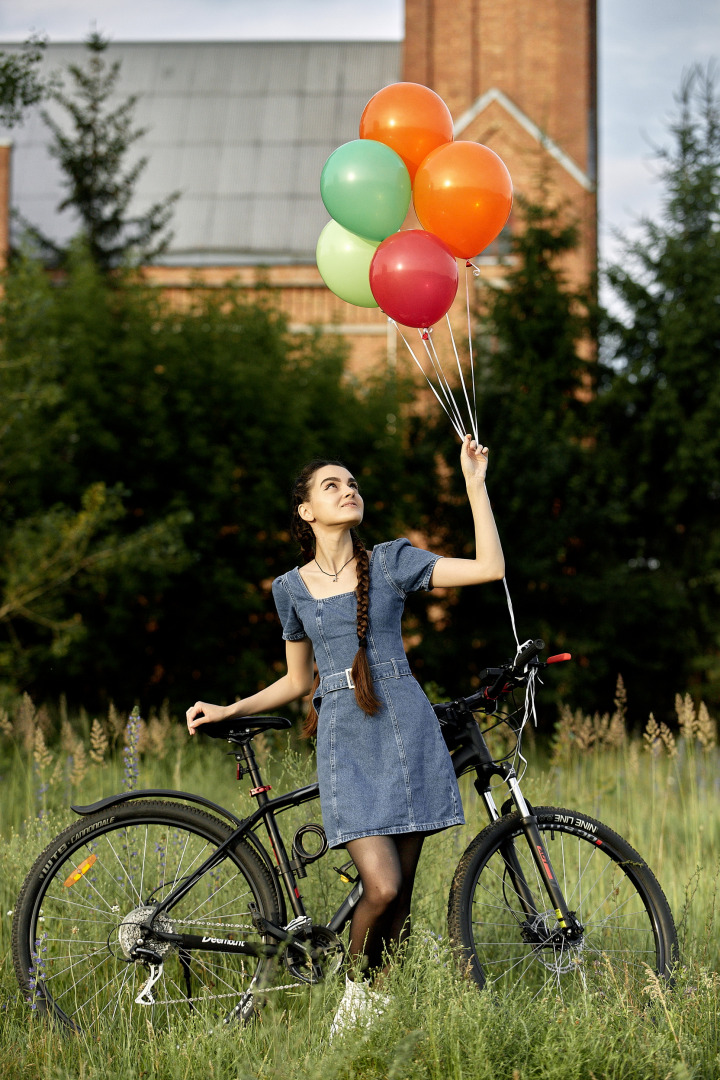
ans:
(330, 959)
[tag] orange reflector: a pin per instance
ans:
(82, 869)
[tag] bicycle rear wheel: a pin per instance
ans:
(79, 913)
(626, 920)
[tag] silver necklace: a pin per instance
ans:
(335, 575)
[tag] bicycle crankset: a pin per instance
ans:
(327, 955)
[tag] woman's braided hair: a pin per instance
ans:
(302, 532)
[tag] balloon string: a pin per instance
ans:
(427, 380)
(512, 613)
(443, 380)
(442, 383)
(472, 417)
(470, 347)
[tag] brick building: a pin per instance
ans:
(243, 129)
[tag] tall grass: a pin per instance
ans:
(658, 789)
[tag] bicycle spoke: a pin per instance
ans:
(513, 947)
(90, 922)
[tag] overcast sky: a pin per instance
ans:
(644, 47)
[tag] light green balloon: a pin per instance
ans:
(343, 259)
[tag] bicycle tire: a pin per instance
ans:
(75, 917)
(628, 925)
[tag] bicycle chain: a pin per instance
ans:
(212, 926)
(218, 997)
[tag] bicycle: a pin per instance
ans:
(180, 910)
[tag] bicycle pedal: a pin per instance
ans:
(300, 925)
(244, 1011)
(345, 875)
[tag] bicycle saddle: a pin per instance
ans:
(243, 727)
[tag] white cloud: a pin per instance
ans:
(208, 20)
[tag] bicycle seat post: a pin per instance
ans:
(247, 763)
(259, 791)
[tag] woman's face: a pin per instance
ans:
(334, 498)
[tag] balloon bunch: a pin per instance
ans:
(462, 194)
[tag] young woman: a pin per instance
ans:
(386, 778)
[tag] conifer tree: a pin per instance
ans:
(92, 154)
(531, 343)
(660, 399)
(20, 84)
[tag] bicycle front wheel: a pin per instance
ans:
(506, 943)
(80, 912)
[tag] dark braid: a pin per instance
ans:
(301, 531)
(364, 690)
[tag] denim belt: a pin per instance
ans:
(342, 680)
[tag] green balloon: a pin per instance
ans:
(343, 259)
(366, 187)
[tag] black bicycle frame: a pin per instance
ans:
(470, 752)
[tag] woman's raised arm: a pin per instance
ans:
(489, 562)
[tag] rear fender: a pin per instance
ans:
(198, 800)
(157, 793)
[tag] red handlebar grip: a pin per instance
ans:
(558, 659)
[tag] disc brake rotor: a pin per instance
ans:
(559, 956)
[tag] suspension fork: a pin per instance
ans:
(569, 926)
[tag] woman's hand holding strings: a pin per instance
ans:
(473, 460)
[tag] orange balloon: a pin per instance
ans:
(463, 194)
(410, 118)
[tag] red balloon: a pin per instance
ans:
(414, 277)
(463, 194)
(410, 118)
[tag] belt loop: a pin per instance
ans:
(396, 669)
(348, 676)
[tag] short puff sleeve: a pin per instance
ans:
(293, 629)
(407, 568)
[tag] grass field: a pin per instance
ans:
(658, 790)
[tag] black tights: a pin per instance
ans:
(381, 920)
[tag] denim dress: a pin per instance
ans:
(389, 773)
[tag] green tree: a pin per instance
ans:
(660, 403)
(20, 82)
(199, 419)
(533, 343)
(92, 154)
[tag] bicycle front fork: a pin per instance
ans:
(569, 927)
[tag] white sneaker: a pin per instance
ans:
(356, 1006)
(378, 1002)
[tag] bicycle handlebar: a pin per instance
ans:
(499, 680)
(527, 653)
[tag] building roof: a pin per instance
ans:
(241, 129)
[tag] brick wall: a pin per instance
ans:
(541, 54)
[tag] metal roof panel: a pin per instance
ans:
(242, 128)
